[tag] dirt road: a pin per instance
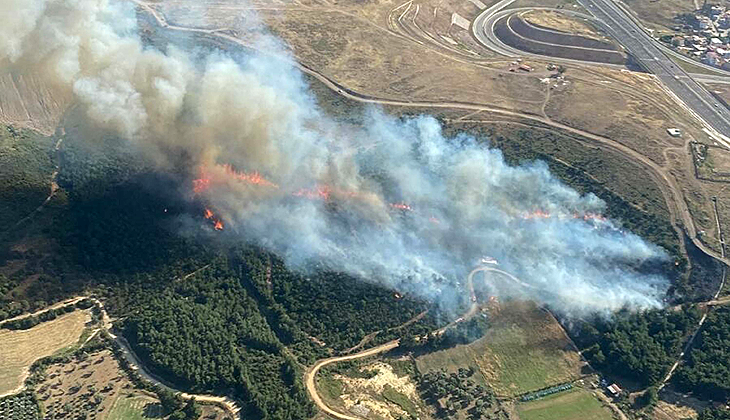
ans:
(229, 405)
(54, 306)
(311, 374)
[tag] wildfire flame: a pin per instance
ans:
(539, 214)
(323, 192)
(401, 206)
(248, 177)
(217, 222)
(204, 182)
(200, 185)
(326, 193)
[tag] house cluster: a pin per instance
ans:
(704, 37)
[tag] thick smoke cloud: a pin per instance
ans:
(390, 200)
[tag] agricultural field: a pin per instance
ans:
(134, 407)
(21, 348)
(525, 349)
(19, 407)
(95, 386)
(90, 384)
(576, 404)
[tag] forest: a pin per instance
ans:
(706, 370)
(639, 346)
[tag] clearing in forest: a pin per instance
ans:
(21, 348)
(524, 349)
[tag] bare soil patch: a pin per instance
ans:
(362, 395)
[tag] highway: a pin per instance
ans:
(696, 99)
(643, 49)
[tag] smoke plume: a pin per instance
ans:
(390, 200)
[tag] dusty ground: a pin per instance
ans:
(97, 386)
(362, 395)
(21, 348)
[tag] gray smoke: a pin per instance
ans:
(390, 200)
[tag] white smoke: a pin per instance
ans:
(458, 199)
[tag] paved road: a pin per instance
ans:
(640, 45)
(644, 50)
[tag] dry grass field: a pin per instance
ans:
(21, 348)
(26, 101)
(722, 90)
(524, 349)
(659, 15)
(561, 22)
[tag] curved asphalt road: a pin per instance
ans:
(694, 97)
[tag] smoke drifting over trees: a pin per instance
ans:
(392, 200)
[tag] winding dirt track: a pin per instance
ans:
(227, 404)
(311, 373)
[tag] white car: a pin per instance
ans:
(488, 260)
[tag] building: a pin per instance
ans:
(674, 132)
(614, 390)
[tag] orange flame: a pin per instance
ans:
(218, 225)
(323, 192)
(248, 177)
(401, 206)
(203, 183)
(200, 185)
(539, 214)
(208, 214)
